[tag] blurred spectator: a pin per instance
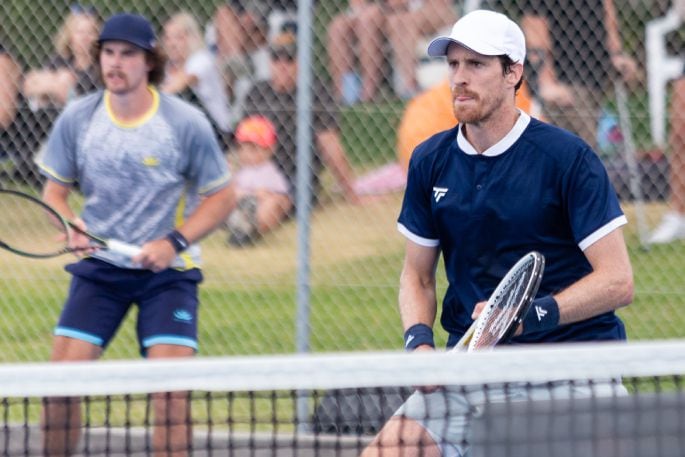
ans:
(356, 34)
(575, 51)
(226, 34)
(281, 16)
(242, 48)
(276, 100)
(672, 226)
(71, 71)
(260, 186)
(20, 133)
(229, 36)
(10, 78)
(192, 72)
(408, 22)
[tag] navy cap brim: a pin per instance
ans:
(143, 45)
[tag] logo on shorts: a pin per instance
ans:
(181, 315)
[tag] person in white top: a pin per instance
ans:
(672, 226)
(191, 67)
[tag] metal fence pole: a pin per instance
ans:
(304, 194)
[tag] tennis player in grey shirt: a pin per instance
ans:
(151, 173)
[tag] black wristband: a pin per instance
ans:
(177, 240)
(542, 315)
(416, 335)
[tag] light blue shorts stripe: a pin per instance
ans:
(169, 339)
(79, 335)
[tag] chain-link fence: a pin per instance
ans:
(374, 96)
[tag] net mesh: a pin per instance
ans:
(586, 399)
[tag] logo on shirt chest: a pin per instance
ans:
(439, 192)
(150, 161)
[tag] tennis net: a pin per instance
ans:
(564, 400)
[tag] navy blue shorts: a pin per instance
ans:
(101, 294)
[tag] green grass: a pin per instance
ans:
(346, 313)
(369, 133)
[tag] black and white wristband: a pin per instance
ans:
(417, 335)
(542, 315)
(177, 240)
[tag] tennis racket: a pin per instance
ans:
(507, 306)
(32, 228)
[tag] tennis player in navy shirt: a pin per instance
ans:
(498, 185)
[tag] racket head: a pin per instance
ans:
(30, 227)
(509, 303)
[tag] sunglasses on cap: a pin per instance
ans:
(282, 55)
(77, 8)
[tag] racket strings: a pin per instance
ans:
(504, 307)
(30, 227)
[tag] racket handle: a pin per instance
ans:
(120, 247)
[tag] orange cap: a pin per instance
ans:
(258, 130)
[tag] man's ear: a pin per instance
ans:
(515, 74)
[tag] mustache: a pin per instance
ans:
(461, 92)
(115, 73)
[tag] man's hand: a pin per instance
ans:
(626, 66)
(80, 243)
(156, 255)
(478, 309)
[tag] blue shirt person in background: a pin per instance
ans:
(151, 174)
(483, 194)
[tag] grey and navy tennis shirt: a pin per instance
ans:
(539, 188)
(139, 180)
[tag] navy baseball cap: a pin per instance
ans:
(132, 28)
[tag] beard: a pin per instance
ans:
(478, 109)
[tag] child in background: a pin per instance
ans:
(261, 188)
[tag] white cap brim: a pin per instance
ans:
(438, 47)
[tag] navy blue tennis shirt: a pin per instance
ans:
(540, 188)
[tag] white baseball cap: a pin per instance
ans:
(485, 32)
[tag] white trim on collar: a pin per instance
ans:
(502, 145)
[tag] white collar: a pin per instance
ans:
(502, 145)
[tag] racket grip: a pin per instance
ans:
(122, 248)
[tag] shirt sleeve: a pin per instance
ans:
(58, 160)
(207, 166)
(416, 219)
(198, 65)
(593, 206)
